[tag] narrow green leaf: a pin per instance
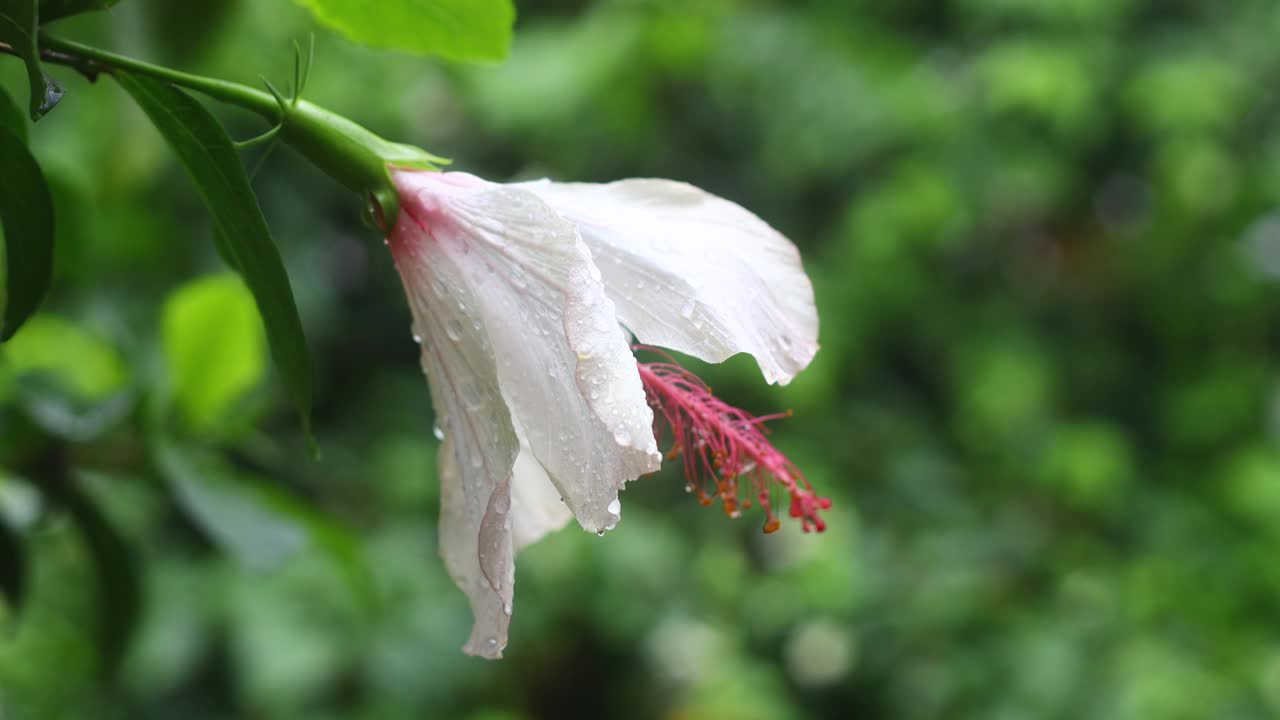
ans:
(13, 566)
(455, 29)
(119, 583)
(214, 347)
(259, 525)
(18, 23)
(26, 216)
(223, 246)
(51, 10)
(11, 116)
(207, 152)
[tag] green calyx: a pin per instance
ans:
(346, 151)
(352, 155)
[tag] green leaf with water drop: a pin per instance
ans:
(19, 20)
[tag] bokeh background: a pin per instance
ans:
(1045, 240)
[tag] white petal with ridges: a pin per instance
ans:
(480, 444)
(563, 363)
(536, 507)
(694, 272)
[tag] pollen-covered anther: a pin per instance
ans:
(724, 449)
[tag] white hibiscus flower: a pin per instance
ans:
(519, 295)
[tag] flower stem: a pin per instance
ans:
(348, 152)
(249, 98)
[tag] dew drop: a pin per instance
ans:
(417, 338)
(439, 433)
(615, 507)
(622, 437)
(600, 532)
(453, 329)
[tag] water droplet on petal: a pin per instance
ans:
(622, 437)
(453, 329)
(615, 507)
(600, 532)
(417, 338)
(435, 430)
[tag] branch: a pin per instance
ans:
(90, 69)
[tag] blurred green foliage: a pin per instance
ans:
(1045, 238)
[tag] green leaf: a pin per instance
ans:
(259, 525)
(119, 584)
(71, 383)
(74, 358)
(51, 10)
(26, 217)
(11, 116)
(18, 23)
(207, 152)
(13, 566)
(455, 29)
(223, 246)
(214, 347)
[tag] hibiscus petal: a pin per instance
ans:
(480, 443)
(694, 272)
(536, 507)
(563, 363)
